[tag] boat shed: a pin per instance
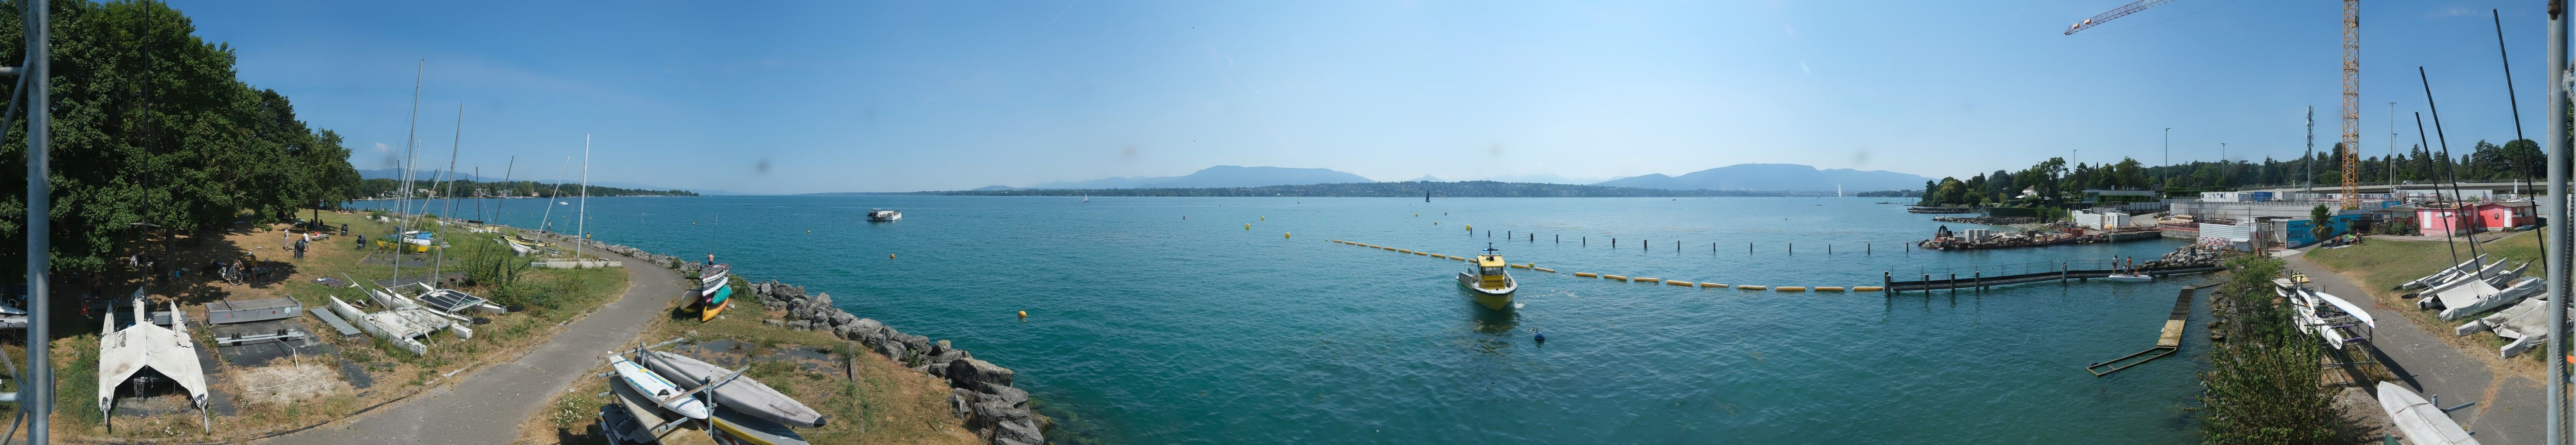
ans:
(226, 312)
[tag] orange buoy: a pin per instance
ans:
(1024, 314)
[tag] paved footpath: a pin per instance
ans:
(486, 405)
(2508, 412)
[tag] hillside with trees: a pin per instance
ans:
(2515, 160)
(153, 131)
(424, 188)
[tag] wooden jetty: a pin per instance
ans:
(2167, 342)
(1978, 280)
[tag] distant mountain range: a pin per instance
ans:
(1739, 177)
(1222, 176)
(1775, 177)
(433, 175)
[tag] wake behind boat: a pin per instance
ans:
(1489, 279)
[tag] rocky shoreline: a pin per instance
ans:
(980, 391)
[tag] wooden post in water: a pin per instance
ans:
(1829, 249)
(1887, 282)
(1954, 282)
(1865, 248)
(1793, 248)
(1978, 281)
(1614, 243)
(1927, 284)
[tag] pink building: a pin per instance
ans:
(2456, 218)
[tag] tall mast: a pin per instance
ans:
(581, 221)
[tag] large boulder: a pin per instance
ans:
(944, 357)
(989, 414)
(842, 318)
(1016, 397)
(939, 347)
(917, 343)
(961, 403)
(892, 350)
(966, 372)
(1022, 431)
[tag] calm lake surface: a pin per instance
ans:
(1148, 327)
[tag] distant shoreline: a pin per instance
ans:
(1468, 189)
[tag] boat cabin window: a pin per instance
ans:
(1493, 271)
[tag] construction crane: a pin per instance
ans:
(2132, 8)
(2351, 104)
(2351, 145)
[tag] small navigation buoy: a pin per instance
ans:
(889, 256)
(1541, 337)
(1024, 314)
(1283, 234)
(1265, 218)
(1247, 226)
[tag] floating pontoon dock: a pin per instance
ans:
(1978, 280)
(2166, 343)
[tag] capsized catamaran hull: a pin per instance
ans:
(169, 351)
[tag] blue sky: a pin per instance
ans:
(886, 96)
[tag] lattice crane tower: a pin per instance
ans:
(2351, 104)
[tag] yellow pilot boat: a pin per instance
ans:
(1488, 278)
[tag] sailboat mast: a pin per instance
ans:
(411, 154)
(581, 221)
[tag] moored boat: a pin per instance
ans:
(1489, 279)
(884, 215)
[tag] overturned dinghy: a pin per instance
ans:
(2527, 323)
(2473, 296)
(743, 394)
(125, 352)
(2419, 420)
(2445, 275)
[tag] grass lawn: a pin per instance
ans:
(2380, 266)
(552, 296)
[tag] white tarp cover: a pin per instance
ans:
(122, 353)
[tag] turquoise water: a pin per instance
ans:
(1145, 327)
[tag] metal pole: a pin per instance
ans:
(2558, 232)
(38, 400)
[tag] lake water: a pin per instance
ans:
(1165, 320)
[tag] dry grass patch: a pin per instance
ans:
(282, 383)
